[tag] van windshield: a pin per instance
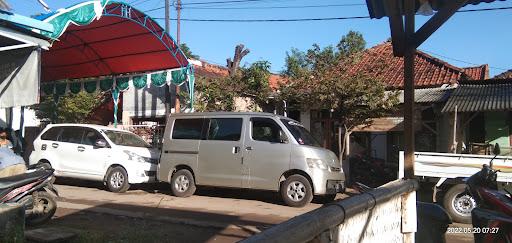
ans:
(126, 139)
(301, 134)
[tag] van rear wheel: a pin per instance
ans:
(182, 183)
(296, 191)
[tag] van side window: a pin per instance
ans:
(71, 135)
(51, 134)
(266, 129)
(187, 128)
(227, 129)
(90, 137)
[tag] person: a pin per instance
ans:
(4, 139)
(10, 163)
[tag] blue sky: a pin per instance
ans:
(466, 39)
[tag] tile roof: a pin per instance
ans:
(429, 71)
(504, 75)
(208, 70)
(477, 73)
(480, 97)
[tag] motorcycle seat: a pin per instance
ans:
(23, 179)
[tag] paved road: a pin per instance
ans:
(220, 215)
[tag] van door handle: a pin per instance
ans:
(55, 145)
(248, 148)
(236, 149)
(80, 148)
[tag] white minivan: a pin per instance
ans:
(92, 152)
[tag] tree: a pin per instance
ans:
(219, 94)
(72, 108)
(321, 79)
(188, 53)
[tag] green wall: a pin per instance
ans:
(497, 129)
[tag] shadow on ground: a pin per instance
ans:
(152, 225)
(162, 187)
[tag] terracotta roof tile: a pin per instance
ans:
(208, 70)
(477, 73)
(429, 71)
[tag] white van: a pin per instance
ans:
(92, 152)
(247, 150)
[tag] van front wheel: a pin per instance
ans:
(182, 183)
(296, 191)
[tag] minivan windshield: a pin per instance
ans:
(301, 135)
(125, 139)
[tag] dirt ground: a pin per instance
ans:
(99, 228)
(150, 214)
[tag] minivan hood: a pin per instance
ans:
(144, 152)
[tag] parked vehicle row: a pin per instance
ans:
(238, 150)
(114, 156)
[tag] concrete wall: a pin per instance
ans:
(384, 226)
(12, 223)
(386, 214)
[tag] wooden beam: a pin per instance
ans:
(396, 25)
(436, 21)
(409, 54)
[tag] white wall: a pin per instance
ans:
(30, 119)
(305, 119)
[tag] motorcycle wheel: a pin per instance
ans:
(459, 203)
(43, 208)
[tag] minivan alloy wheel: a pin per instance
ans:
(117, 179)
(296, 191)
(181, 183)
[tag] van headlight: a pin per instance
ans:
(316, 163)
(138, 158)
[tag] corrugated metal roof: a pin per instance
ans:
(430, 95)
(378, 9)
(481, 97)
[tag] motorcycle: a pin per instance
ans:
(35, 191)
(492, 218)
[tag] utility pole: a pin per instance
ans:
(178, 9)
(167, 89)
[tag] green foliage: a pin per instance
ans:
(219, 94)
(300, 64)
(350, 44)
(214, 94)
(321, 79)
(188, 53)
(72, 108)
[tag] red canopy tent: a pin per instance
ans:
(119, 41)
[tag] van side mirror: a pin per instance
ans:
(496, 150)
(100, 143)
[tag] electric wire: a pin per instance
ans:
(315, 19)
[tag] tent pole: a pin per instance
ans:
(167, 87)
(177, 101)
